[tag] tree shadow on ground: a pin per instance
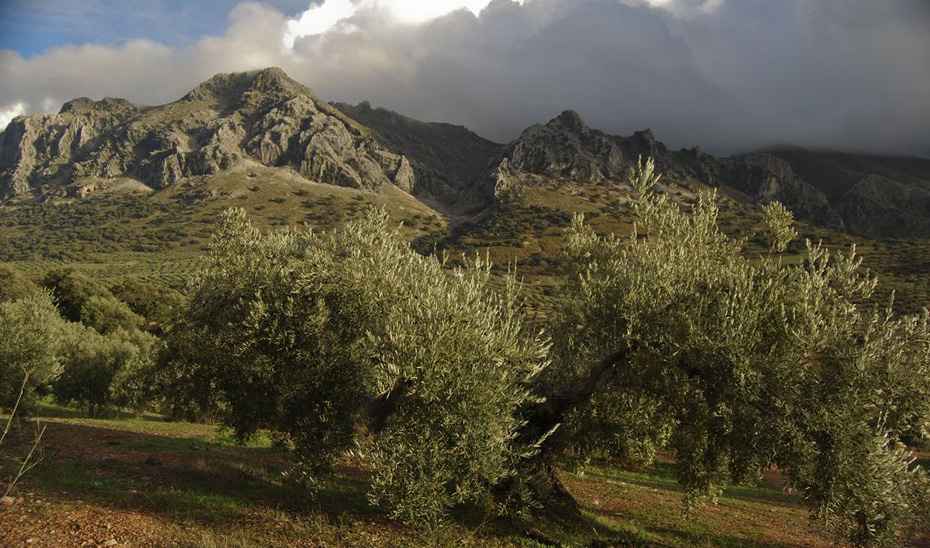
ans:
(188, 474)
(662, 475)
(177, 478)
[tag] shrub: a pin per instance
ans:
(107, 314)
(15, 285)
(156, 303)
(72, 290)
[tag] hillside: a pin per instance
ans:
(878, 196)
(121, 188)
(448, 160)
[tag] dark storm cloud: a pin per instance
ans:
(727, 75)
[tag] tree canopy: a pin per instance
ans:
(747, 362)
(31, 333)
(350, 340)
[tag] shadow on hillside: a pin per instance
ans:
(47, 410)
(185, 474)
(190, 480)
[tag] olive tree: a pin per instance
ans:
(104, 370)
(672, 337)
(15, 285)
(30, 334)
(745, 362)
(350, 340)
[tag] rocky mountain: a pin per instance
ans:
(567, 149)
(883, 207)
(765, 177)
(877, 196)
(261, 116)
(264, 118)
(447, 159)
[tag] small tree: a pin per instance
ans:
(30, 337)
(101, 371)
(30, 331)
(15, 285)
(72, 290)
(779, 224)
(154, 302)
(108, 315)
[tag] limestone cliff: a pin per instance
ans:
(567, 149)
(262, 115)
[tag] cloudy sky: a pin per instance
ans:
(728, 75)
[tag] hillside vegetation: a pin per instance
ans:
(365, 363)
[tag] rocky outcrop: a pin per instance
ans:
(566, 149)
(44, 147)
(445, 160)
(881, 207)
(766, 178)
(262, 115)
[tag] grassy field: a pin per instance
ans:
(147, 482)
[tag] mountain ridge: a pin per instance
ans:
(265, 116)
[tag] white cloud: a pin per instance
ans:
(9, 112)
(318, 19)
(687, 7)
(418, 11)
(327, 16)
(837, 73)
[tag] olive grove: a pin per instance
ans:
(672, 338)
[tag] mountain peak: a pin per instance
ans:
(231, 86)
(274, 79)
(260, 116)
(570, 120)
(83, 105)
